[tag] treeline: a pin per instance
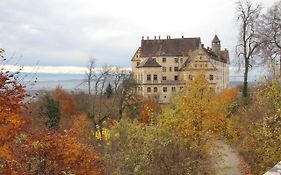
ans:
(55, 134)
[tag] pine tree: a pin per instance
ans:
(108, 91)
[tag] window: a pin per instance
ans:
(173, 89)
(195, 65)
(163, 60)
(155, 77)
(181, 88)
(176, 60)
(176, 78)
(211, 77)
(155, 89)
(176, 69)
(181, 60)
(137, 56)
(148, 77)
(164, 78)
(170, 69)
(138, 63)
(148, 89)
(190, 77)
(165, 89)
(206, 65)
(164, 69)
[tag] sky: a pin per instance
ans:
(64, 34)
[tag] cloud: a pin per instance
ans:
(54, 69)
(68, 32)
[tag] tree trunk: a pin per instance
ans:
(245, 83)
(280, 65)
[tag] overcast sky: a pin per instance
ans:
(68, 32)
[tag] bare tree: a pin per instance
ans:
(89, 78)
(100, 107)
(247, 16)
(269, 33)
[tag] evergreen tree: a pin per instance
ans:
(51, 109)
(108, 91)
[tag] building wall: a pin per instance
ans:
(217, 74)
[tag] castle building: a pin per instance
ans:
(161, 67)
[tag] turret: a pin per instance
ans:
(216, 45)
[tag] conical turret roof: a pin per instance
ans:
(216, 39)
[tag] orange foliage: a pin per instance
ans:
(39, 152)
(11, 103)
(68, 106)
(82, 128)
(229, 95)
(52, 153)
(148, 111)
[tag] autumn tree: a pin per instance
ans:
(12, 94)
(11, 103)
(148, 111)
(247, 16)
(178, 141)
(198, 117)
(68, 105)
(158, 151)
(255, 130)
(51, 153)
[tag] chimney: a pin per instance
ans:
(159, 37)
(182, 37)
(147, 37)
(208, 48)
(225, 49)
(167, 36)
(142, 38)
(154, 37)
(202, 45)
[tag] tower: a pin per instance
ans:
(216, 45)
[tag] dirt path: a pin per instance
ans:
(228, 164)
